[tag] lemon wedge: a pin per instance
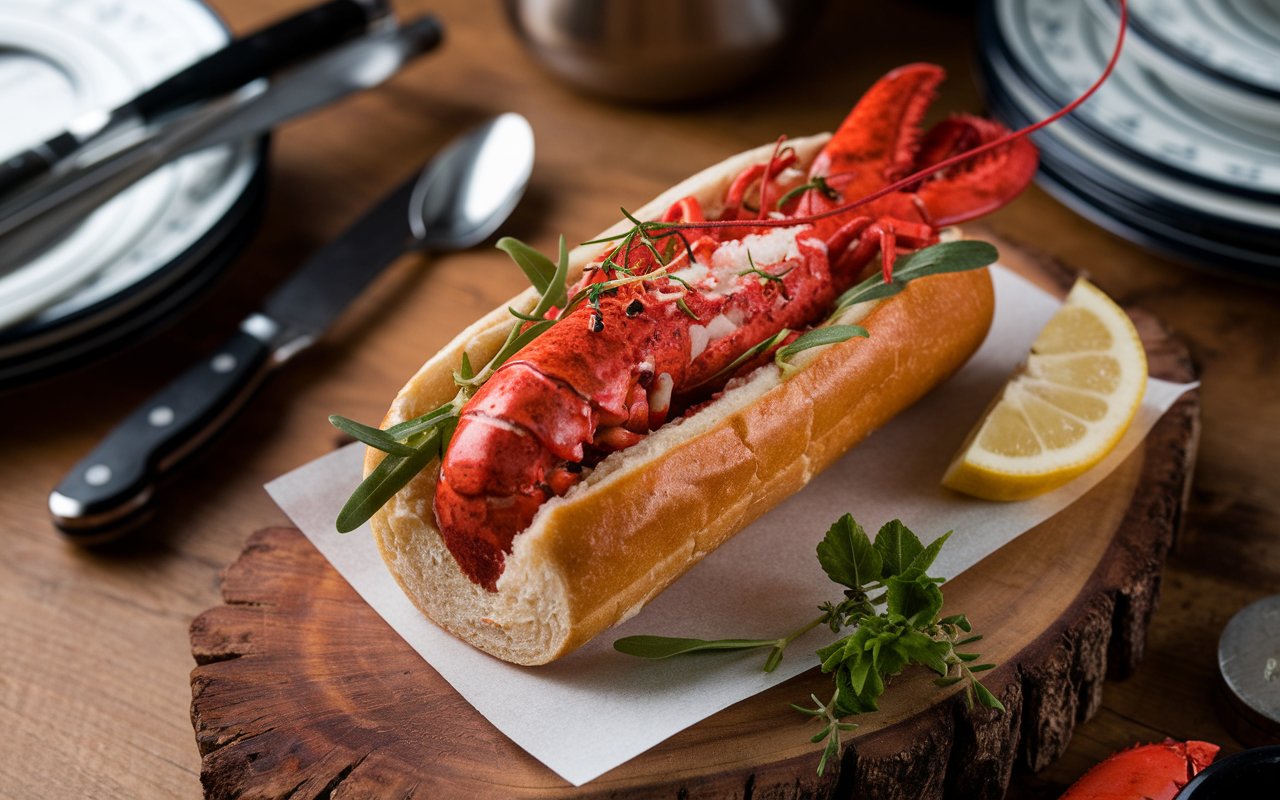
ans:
(1063, 410)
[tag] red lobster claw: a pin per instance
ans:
(978, 185)
(1146, 772)
(880, 143)
(876, 143)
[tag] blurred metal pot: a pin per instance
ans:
(659, 50)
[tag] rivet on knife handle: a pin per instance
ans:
(117, 478)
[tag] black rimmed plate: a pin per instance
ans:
(1251, 775)
(1202, 194)
(143, 257)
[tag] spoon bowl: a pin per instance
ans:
(473, 185)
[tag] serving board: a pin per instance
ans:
(300, 689)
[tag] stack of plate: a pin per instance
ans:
(1180, 150)
(145, 255)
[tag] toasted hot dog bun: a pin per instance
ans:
(647, 514)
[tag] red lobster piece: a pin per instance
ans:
(607, 374)
(1145, 772)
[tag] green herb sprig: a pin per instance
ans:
(891, 605)
(412, 445)
(818, 184)
(957, 256)
(765, 277)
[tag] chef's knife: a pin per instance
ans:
(457, 201)
(38, 216)
(243, 60)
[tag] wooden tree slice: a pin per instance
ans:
(302, 690)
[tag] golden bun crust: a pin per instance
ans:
(647, 514)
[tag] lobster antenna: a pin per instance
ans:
(948, 162)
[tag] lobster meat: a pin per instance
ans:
(1144, 772)
(775, 255)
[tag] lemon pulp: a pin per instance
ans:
(1063, 410)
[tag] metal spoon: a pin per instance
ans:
(457, 201)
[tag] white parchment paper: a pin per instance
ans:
(595, 709)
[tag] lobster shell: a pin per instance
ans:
(647, 514)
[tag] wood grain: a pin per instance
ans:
(94, 654)
(302, 688)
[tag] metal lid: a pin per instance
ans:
(1249, 661)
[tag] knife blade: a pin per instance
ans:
(38, 216)
(243, 60)
(118, 477)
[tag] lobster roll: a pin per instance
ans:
(648, 513)
(574, 488)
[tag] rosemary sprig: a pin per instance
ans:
(889, 572)
(826, 712)
(683, 306)
(765, 277)
(644, 232)
(818, 184)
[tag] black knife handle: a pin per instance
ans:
(117, 478)
(258, 54)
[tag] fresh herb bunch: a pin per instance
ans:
(412, 445)
(891, 604)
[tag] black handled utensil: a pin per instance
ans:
(243, 60)
(40, 215)
(457, 201)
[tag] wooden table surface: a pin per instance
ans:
(94, 656)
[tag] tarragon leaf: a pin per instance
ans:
(668, 646)
(424, 423)
(389, 477)
(986, 698)
(747, 355)
(957, 256)
(539, 269)
(818, 337)
(374, 437)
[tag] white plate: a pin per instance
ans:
(1157, 114)
(61, 57)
